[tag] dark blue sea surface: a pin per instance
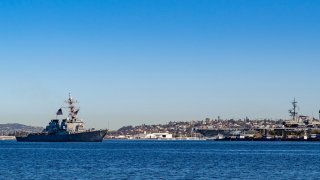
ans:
(119, 159)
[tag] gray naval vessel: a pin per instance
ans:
(299, 128)
(70, 129)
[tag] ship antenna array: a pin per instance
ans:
(73, 111)
(293, 112)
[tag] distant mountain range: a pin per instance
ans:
(14, 128)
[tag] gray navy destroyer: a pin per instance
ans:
(70, 129)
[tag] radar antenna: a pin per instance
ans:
(293, 112)
(73, 111)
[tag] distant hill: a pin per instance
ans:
(14, 128)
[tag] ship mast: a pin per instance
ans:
(293, 113)
(73, 111)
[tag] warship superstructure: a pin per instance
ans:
(70, 129)
(298, 128)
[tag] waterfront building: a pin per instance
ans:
(153, 136)
(7, 138)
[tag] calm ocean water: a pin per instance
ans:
(160, 160)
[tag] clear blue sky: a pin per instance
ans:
(133, 62)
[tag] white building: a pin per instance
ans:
(7, 138)
(154, 136)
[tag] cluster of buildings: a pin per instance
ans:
(186, 129)
(240, 123)
(12, 129)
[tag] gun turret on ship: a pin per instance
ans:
(70, 129)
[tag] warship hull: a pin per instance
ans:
(87, 136)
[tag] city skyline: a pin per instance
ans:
(148, 62)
